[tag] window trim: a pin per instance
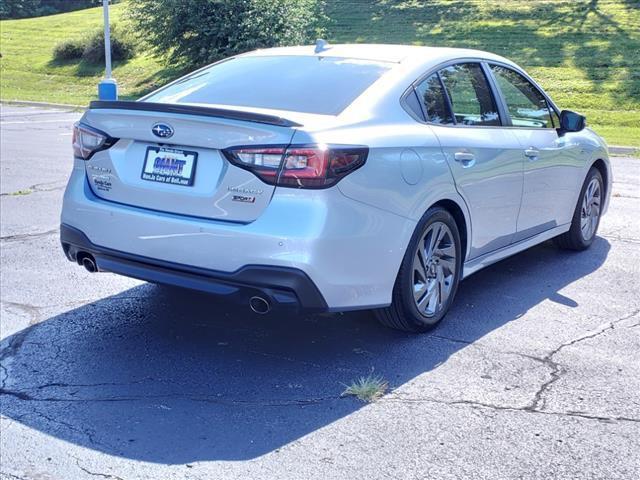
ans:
(550, 105)
(497, 94)
(447, 98)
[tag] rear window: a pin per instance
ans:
(322, 85)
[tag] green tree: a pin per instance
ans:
(36, 8)
(198, 32)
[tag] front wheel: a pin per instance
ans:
(429, 275)
(586, 216)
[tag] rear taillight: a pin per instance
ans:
(304, 166)
(88, 140)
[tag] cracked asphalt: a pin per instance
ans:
(535, 373)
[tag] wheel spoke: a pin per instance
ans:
(448, 251)
(419, 290)
(433, 240)
(419, 266)
(444, 287)
(425, 302)
(449, 263)
(584, 223)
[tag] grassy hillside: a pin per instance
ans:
(28, 72)
(585, 53)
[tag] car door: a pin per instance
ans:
(485, 159)
(552, 162)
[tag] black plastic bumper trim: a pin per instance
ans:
(276, 282)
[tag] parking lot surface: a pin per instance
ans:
(534, 374)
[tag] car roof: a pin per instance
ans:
(408, 63)
(387, 53)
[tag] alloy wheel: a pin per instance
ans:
(590, 211)
(434, 269)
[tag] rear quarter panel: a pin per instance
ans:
(406, 171)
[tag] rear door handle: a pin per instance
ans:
(532, 153)
(464, 157)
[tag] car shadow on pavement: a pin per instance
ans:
(169, 376)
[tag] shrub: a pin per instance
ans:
(197, 32)
(68, 50)
(91, 48)
(122, 48)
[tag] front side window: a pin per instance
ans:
(471, 98)
(434, 101)
(526, 105)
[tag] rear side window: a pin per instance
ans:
(434, 102)
(470, 95)
(322, 85)
(526, 105)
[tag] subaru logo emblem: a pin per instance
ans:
(162, 130)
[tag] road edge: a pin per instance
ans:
(614, 150)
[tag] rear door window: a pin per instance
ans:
(527, 107)
(434, 101)
(470, 95)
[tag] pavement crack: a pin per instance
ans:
(11, 475)
(95, 474)
(525, 409)
(557, 370)
(454, 340)
(82, 431)
(28, 236)
(617, 238)
(17, 394)
(9, 351)
(27, 396)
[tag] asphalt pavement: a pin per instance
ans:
(535, 373)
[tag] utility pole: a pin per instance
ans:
(107, 88)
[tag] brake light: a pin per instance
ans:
(88, 140)
(304, 166)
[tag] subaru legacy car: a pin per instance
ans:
(333, 178)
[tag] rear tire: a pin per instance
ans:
(429, 275)
(586, 216)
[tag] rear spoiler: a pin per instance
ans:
(194, 110)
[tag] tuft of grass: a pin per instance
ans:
(368, 389)
(27, 191)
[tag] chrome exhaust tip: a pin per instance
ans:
(259, 305)
(89, 264)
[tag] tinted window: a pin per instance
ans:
(431, 94)
(471, 97)
(526, 105)
(324, 85)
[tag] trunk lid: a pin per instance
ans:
(184, 172)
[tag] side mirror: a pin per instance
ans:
(571, 121)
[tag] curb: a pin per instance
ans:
(618, 150)
(43, 104)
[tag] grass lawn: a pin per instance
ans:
(585, 53)
(28, 72)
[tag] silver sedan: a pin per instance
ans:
(332, 178)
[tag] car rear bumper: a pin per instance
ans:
(281, 287)
(348, 251)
